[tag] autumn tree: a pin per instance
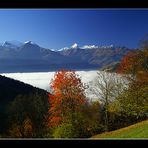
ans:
(67, 98)
(106, 87)
(26, 115)
(87, 123)
(134, 66)
(23, 130)
(90, 119)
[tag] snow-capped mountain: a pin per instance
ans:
(30, 42)
(74, 46)
(65, 48)
(12, 44)
(29, 57)
(89, 47)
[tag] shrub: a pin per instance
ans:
(65, 130)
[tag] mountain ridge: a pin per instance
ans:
(30, 57)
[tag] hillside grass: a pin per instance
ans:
(139, 130)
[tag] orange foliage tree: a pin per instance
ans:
(67, 98)
(136, 64)
(134, 100)
(128, 63)
(22, 131)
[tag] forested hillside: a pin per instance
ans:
(18, 98)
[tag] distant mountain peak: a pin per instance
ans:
(108, 46)
(75, 45)
(6, 43)
(89, 47)
(29, 42)
(32, 57)
(65, 48)
(12, 44)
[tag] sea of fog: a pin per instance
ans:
(42, 79)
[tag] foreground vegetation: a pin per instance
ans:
(139, 130)
(122, 100)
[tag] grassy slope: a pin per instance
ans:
(139, 130)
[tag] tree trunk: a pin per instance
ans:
(106, 115)
(106, 120)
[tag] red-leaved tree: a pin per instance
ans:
(134, 100)
(135, 63)
(67, 98)
(128, 64)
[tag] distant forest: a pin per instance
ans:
(12, 90)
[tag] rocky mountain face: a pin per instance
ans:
(30, 57)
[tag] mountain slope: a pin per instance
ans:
(100, 56)
(10, 89)
(30, 57)
(139, 130)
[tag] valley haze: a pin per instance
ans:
(35, 65)
(42, 79)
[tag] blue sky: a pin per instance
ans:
(58, 28)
